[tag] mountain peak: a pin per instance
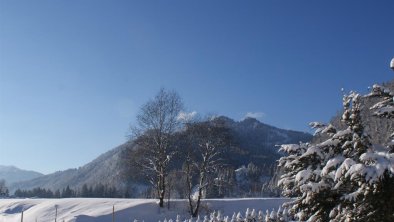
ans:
(223, 119)
(250, 120)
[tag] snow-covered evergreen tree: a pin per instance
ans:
(344, 177)
(385, 106)
(260, 217)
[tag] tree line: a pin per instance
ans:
(4, 192)
(96, 191)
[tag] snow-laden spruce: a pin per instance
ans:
(343, 177)
(279, 215)
(385, 107)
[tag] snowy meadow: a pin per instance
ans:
(100, 210)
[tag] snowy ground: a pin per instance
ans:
(100, 210)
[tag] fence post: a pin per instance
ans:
(55, 213)
(22, 216)
(113, 213)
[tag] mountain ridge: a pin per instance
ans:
(12, 174)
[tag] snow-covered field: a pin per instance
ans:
(126, 210)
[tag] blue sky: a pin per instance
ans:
(73, 74)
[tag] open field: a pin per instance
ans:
(100, 210)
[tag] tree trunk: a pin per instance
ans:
(200, 189)
(195, 212)
(162, 188)
(189, 187)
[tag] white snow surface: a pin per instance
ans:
(100, 210)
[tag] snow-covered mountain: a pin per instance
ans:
(255, 142)
(259, 141)
(104, 169)
(13, 174)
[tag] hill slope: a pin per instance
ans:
(103, 169)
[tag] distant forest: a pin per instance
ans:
(97, 191)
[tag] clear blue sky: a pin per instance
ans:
(73, 74)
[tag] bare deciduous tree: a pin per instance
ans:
(205, 143)
(156, 124)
